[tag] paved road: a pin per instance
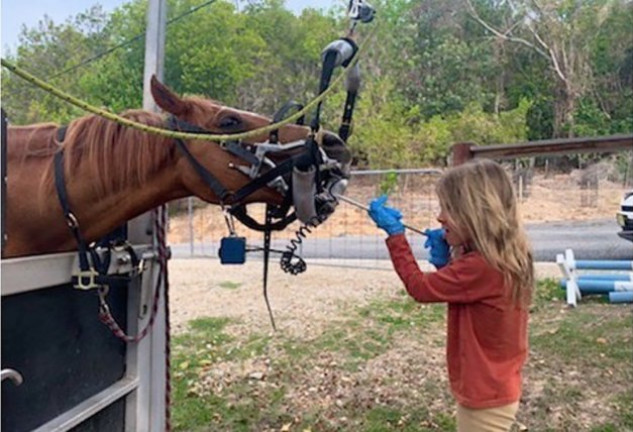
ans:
(589, 240)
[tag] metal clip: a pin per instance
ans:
(90, 274)
(71, 221)
(102, 292)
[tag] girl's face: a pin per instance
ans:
(454, 235)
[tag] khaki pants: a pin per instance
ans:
(498, 419)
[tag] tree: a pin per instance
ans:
(50, 52)
(561, 32)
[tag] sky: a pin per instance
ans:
(16, 13)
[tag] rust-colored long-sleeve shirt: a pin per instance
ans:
(487, 334)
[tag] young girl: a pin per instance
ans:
(487, 282)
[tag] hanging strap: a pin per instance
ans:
(273, 137)
(267, 236)
(71, 219)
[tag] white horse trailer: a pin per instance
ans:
(62, 368)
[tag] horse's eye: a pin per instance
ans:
(230, 122)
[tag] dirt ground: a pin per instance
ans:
(202, 287)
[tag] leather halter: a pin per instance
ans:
(280, 216)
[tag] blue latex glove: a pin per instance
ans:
(440, 250)
(385, 217)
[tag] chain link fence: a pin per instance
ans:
(546, 194)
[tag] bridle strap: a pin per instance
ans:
(346, 122)
(71, 219)
(220, 191)
(281, 114)
(241, 214)
(263, 180)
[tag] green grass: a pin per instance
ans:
(230, 285)
(368, 331)
(572, 351)
(588, 331)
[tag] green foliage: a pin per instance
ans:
(388, 183)
(433, 76)
(398, 138)
(477, 126)
(547, 291)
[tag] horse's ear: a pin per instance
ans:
(166, 99)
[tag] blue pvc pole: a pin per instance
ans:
(621, 297)
(600, 286)
(612, 276)
(604, 265)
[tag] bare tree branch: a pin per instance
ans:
(476, 17)
(552, 54)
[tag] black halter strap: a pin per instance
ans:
(71, 220)
(220, 191)
(281, 114)
(97, 273)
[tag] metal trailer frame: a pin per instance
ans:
(138, 395)
(138, 392)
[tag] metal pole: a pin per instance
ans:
(150, 401)
(190, 216)
(154, 49)
(154, 62)
(364, 207)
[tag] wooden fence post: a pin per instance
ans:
(461, 153)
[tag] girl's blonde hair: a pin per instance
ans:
(479, 199)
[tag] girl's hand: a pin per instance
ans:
(385, 217)
(439, 249)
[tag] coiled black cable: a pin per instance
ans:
(290, 261)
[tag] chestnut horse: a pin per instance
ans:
(113, 173)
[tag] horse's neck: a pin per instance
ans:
(35, 221)
(100, 215)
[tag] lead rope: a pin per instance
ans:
(163, 255)
(105, 316)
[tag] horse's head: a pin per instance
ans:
(311, 175)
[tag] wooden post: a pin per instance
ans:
(461, 153)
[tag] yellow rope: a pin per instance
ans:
(175, 134)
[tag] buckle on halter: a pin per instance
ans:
(71, 221)
(88, 275)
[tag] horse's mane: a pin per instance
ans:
(115, 155)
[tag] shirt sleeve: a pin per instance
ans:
(465, 280)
